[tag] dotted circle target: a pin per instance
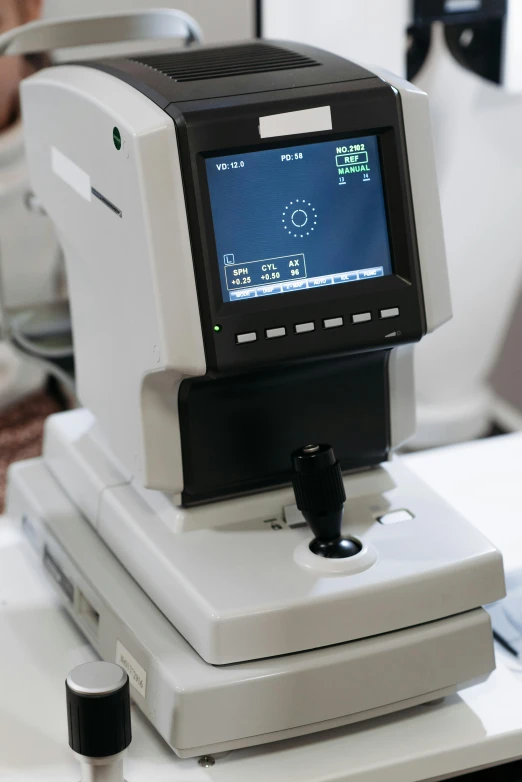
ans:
(299, 218)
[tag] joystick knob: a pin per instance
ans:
(98, 716)
(320, 496)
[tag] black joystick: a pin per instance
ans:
(320, 496)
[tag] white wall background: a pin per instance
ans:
(367, 31)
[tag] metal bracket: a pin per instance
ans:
(474, 31)
(49, 34)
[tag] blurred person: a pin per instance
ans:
(28, 260)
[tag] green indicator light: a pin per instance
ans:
(116, 137)
(218, 328)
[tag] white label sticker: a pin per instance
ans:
(292, 122)
(137, 675)
(71, 174)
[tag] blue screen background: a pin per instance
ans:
(257, 198)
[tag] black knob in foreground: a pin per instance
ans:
(320, 496)
(98, 709)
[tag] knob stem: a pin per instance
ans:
(326, 526)
(101, 769)
(320, 496)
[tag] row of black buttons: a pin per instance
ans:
(303, 328)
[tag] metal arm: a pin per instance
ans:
(49, 34)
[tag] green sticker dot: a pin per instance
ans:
(116, 137)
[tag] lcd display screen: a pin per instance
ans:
(296, 218)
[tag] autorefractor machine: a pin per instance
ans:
(253, 243)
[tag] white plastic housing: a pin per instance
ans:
(426, 202)
(121, 218)
(136, 323)
(200, 708)
(237, 578)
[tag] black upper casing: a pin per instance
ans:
(218, 116)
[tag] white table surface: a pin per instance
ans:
(483, 481)
(481, 726)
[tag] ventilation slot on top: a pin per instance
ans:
(197, 65)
